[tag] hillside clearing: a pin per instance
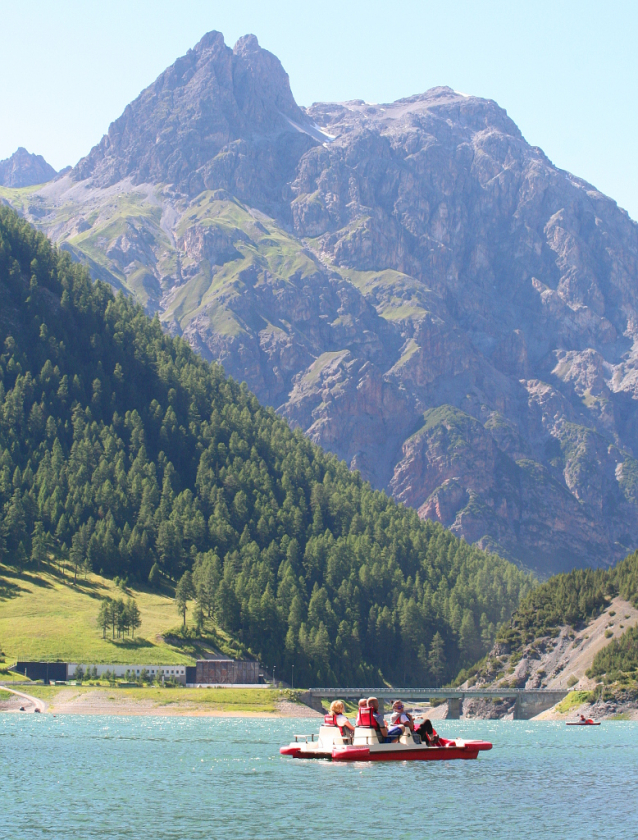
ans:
(47, 617)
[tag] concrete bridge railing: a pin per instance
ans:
(529, 702)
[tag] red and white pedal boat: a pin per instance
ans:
(366, 745)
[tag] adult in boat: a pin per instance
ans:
(377, 721)
(429, 734)
(337, 717)
(400, 717)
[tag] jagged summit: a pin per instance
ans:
(217, 118)
(23, 169)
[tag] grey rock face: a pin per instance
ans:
(217, 118)
(25, 170)
(412, 284)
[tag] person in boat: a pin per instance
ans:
(389, 735)
(429, 734)
(363, 703)
(400, 717)
(337, 717)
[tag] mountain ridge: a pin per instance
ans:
(363, 265)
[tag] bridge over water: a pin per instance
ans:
(529, 702)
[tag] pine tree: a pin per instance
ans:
(77, 554)
(436, 659)
(113, 614)
(134, 615)
(104, 616)
(121, 618)
(469, 640)
(183, 593)
(198, 617)
(154, 575)
(38, 545)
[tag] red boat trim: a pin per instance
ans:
(469, 750)
(429, 754)
(478, 745)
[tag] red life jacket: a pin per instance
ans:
(331, 720)
(366, 718)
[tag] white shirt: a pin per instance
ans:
(341, 720)
(400, 717)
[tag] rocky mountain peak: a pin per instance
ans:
(23, 169)
(247, 45)
(215, 111)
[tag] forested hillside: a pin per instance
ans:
(122, 447)
(570, 599)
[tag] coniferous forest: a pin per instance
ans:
(122, 449)
(571, 598)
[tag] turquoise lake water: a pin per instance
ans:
(161, 778)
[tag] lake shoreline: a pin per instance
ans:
(152, 702)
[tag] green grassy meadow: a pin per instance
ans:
(47, 617)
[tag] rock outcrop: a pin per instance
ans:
(412, 284)
(23, 169)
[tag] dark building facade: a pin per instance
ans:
(42, 670)
(226, 671)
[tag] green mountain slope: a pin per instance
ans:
(571, 599)
(577, 629)
(120, 445)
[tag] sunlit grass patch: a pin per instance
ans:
(573, 699)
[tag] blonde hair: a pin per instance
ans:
(362, 703)
(337, 707)
(372, 701)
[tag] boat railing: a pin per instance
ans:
(305, 738)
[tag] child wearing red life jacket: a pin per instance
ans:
(336, 717)
(400, 717)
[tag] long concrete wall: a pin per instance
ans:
(176, 672)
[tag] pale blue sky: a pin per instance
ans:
(567, 72)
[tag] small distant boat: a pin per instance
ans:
(584, 722)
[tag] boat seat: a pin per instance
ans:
(366, 735)
(332, 735)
